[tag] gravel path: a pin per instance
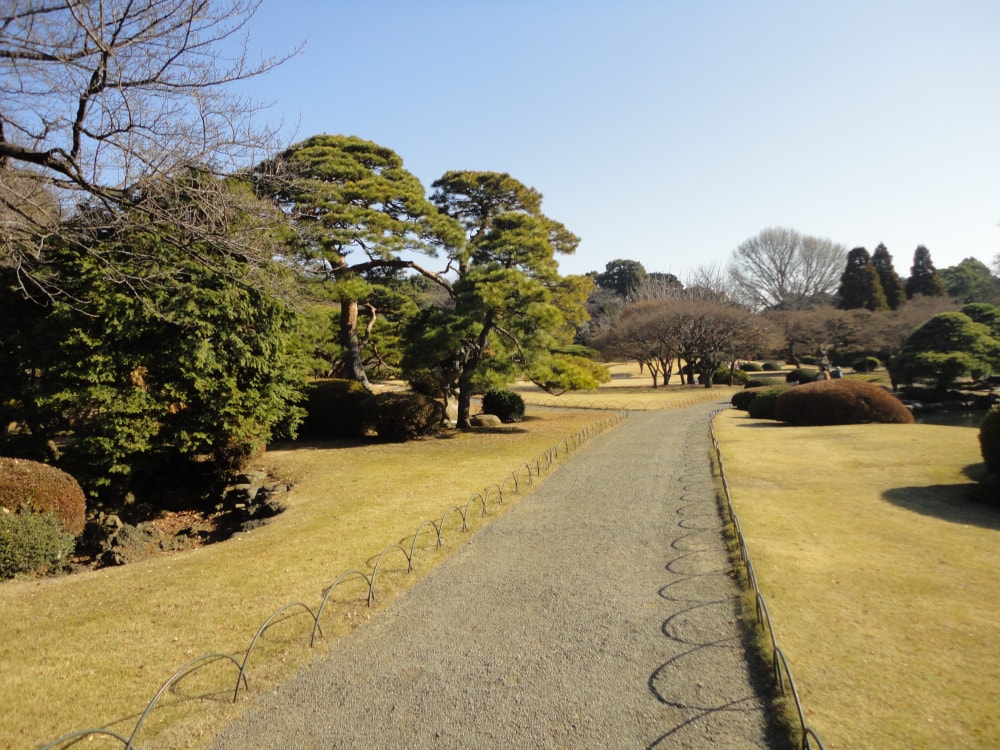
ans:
(597, 613)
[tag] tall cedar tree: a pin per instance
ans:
(923, 277)
(860, 286)
(356, 211)
(892, 285)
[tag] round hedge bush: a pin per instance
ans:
(865, 364)
(827, 402)
(337, 408)
(799, 375)
(751, 366)
(773, 366)
(406, 416)
(721, 376)
(31, 543)
(764, 382)
(27, 486)
(505, 404)
(762, 407)
(989, 439)
(741, 399)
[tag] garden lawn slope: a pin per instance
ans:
(92, 649)
(880, 575)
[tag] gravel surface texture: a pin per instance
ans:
(597, 613)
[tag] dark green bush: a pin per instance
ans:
(798, 375)
(989, 439)
(762, 407)
(773, 366)
(741, 399)
(763, 382)
(406, 416)
(505, 404)
(865, 364)
(721, 376)
(828, 402)
(31, 543)
(751, 366)
(27, 486)
(808, 361)
(426, 382)
(337, 409)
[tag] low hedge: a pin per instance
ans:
(762, 407)
(406, 416)
(505, 404)
(31, 542)
(741, 399)
(800, 375)
(337, 408)
(828, 402)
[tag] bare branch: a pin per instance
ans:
(100, 97)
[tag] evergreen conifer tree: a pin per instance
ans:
(923, 276)
(892, 285)
(860, 285)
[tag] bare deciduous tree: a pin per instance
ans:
(782, 269)
(99, 97)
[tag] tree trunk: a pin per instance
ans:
(469, 358)
(464, 404)
(353, 365)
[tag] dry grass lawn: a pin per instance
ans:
(880, 574)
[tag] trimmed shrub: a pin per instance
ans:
(807, 361)
(827, 402)
(31, 543)
(762, 407)
(426, 382)
(751, 366)
(989, 439)
(27, 486)
(337, 409)
(741, 400)
(763, 382)
(798, 375)
(721, 376)
(773, 366)
(406, 416)
(865, 364)
(505, 404)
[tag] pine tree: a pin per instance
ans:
(892, 285)
(923, 277)
(860, 286)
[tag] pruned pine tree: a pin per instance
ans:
(356, 211)
(512, 309)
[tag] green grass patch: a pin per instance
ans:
(877, 556)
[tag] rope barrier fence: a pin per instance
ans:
(782, 673)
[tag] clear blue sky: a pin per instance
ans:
(669, 132)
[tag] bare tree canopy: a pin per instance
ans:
(99, 96)
(782, 269)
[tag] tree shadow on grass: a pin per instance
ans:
(968, 504)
